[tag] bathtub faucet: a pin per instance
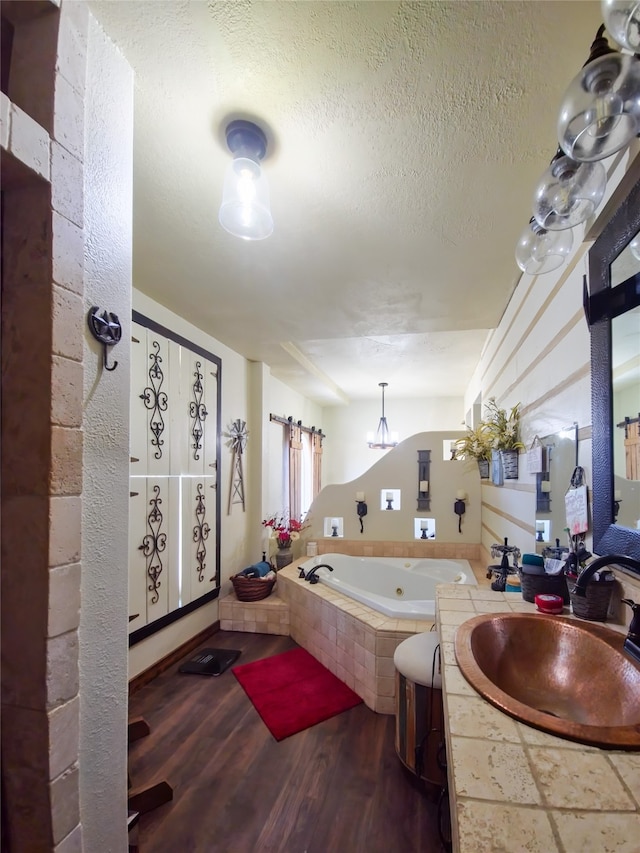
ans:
(311, 575)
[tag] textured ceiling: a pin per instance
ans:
(405, 140)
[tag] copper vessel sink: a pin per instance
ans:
(565, 677)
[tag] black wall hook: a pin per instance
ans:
(105, 328)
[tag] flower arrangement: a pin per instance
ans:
(283, 529)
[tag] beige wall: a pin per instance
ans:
(398, 469)
(347, 455)
(250, 393)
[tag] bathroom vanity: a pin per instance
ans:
(513, 787)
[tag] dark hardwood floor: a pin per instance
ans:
(337, 787)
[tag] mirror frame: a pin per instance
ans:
(601, 306)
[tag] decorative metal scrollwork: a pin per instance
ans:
(156, 400)
(153, 544)
(198, 412)
(200, 533)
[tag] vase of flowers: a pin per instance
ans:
(285, 531)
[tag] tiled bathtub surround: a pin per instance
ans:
(514, 787)
(353, 641)
(269, 616)
(414, 549)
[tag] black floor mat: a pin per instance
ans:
(210, 662)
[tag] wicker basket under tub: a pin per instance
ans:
(545, 584)
(595, 604)
(251, 589)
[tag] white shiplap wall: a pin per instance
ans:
(539, 356)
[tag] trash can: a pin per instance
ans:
(419, 711)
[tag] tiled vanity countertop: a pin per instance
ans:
(513, 788)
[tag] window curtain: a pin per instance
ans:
(316, 457)
(295, 470)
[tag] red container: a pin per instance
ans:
(547, 603)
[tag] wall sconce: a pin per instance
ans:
(383, 438)
(424, 463)
(460, 507)
(600, 111)
(424, 526)
(617, 500)
(361, 509)
(568, 193)
(543, 492)
(540, 251)
(389, 499)
(599, 115)
(622, 20)
(335, 523)
(245, 211)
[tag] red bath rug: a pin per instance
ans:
(293, 691)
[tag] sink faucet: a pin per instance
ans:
(311, 574)
(632, 643)
(595, 565)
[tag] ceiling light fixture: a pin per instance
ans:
(383, 438)
(540, 251)
(245, 211)
(568, 193)
(600, 111)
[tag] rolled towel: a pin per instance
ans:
(250, 572)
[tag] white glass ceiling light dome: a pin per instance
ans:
(600, 111)
(245, 211)
(568, 193)
(622, 20)
(634, 247)
(540, 251)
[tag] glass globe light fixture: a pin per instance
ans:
(540, 251)
(245, 211)
(600, 111)
(622, 20)
(634, 247)
(568, 193)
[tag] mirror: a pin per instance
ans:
(612, 308)
(560, 457)
(625, 364)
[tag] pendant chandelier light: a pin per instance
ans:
(600, 111)
(383, 438)
(245, 211)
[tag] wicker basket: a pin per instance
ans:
(252, 589)
(533, 585)
(595, 604)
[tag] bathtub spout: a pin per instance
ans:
(311, 574)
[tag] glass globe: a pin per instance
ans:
(600, 111)
(622, 20)
(539, 251)
(568, 193)
(245, 210)
(634, 247)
